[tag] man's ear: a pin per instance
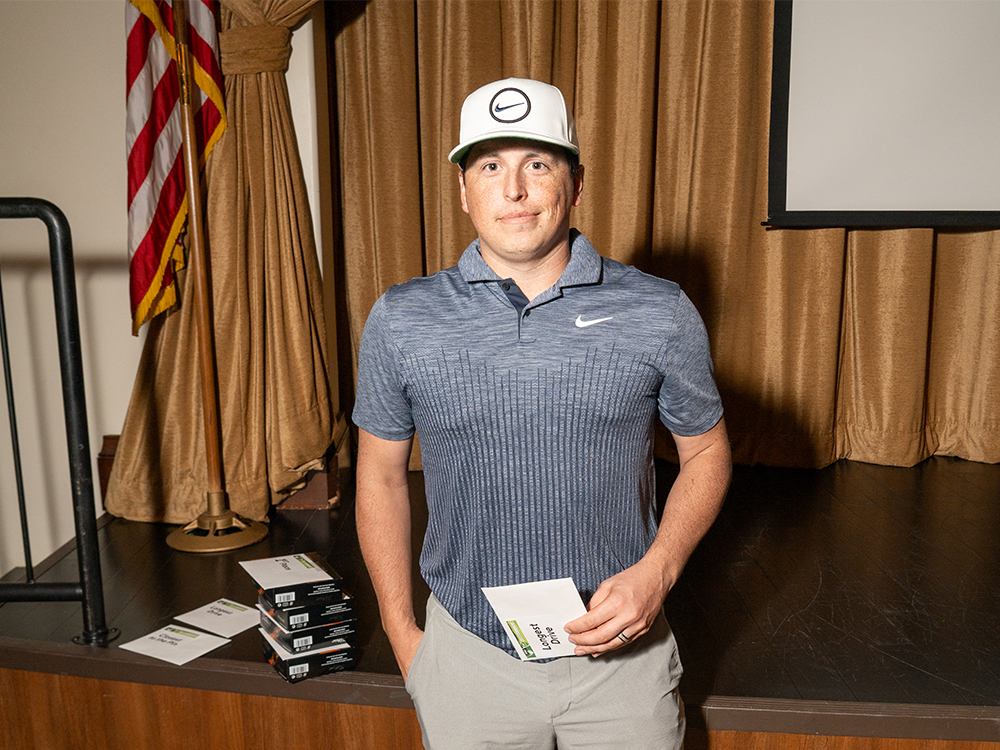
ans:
(461, 189)
(577, 185)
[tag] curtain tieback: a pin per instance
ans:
(255, 49)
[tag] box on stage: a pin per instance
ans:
(308, 638)
(307, 620)
(310, 615)
(335, 657)
(295, 580)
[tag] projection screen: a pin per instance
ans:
(885, 113)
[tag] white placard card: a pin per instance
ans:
(534, 614)
(223, 617)
(175, 645)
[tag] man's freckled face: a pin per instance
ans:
(518, 195)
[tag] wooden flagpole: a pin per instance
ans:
(218, 528)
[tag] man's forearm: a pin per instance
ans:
(693, 503)
(383, 518)
(384, 535)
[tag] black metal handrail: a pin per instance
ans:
(89, 590)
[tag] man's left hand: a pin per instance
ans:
(626, 603)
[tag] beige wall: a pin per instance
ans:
(62, 138)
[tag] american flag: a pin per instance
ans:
(157, 198)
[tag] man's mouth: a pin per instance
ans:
(519, 217)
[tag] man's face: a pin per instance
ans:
(518, 194)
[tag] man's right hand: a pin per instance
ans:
(404, 647)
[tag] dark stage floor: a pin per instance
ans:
(852, 583)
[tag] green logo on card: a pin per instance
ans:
(304, 561)
(522, 641)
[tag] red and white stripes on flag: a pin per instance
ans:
(157, 197)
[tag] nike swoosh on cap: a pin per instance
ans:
(581, 323)
(498, 108)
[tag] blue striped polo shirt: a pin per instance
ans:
(535, 420)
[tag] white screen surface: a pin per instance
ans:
(894, 105)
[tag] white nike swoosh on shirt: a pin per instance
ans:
(581, 323)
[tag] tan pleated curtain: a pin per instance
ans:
(270, 338)
(880, 346)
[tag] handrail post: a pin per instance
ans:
(95, 630)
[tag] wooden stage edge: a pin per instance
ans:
(714, 714)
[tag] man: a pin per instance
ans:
(533, 372)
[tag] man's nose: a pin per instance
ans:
(514, 189)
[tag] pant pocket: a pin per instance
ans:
(412, 676)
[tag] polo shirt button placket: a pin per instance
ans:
(521, 333)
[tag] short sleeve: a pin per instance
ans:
(381, 406)
(689, 401)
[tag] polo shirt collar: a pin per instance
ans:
(584, 264)
(472, 266)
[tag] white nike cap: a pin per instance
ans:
(515, 108)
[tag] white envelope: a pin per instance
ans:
(533, 616)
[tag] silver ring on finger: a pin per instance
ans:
(623, 638)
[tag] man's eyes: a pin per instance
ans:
(535, 166)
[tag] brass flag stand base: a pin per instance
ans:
(216, 530)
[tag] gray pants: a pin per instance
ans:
(470, 694)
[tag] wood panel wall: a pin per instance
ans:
(56, 712)
(41, 711)
(698, 739)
